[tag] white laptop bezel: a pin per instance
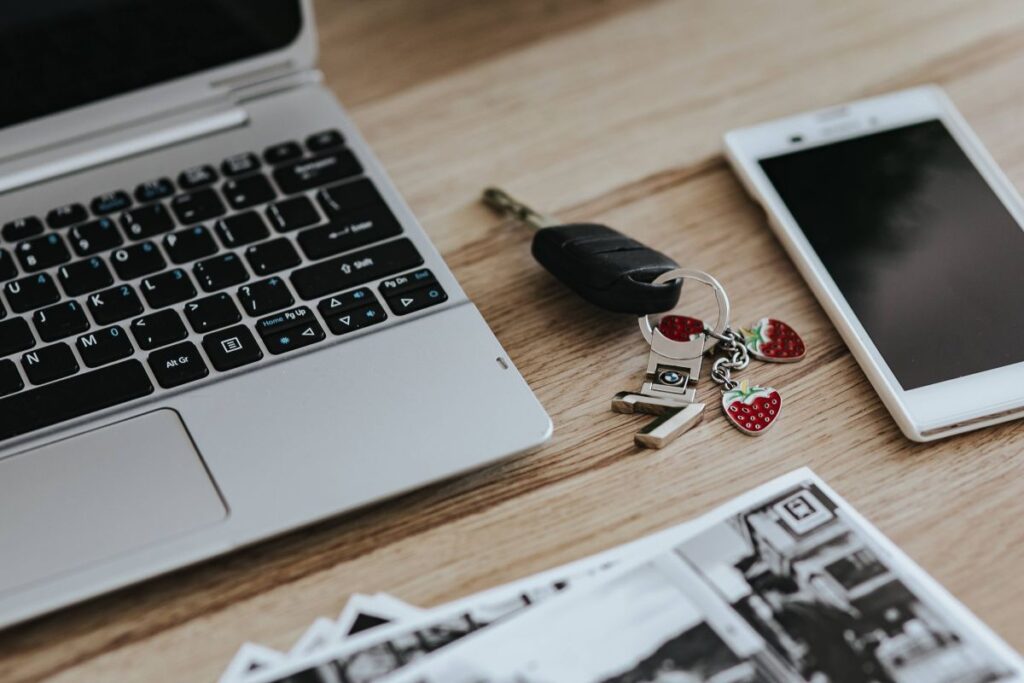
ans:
(176, 95)
(928, 412)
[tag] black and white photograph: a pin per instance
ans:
(812, 583)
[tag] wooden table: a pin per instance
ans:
(608, 110)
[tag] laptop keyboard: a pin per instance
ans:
(165, 285)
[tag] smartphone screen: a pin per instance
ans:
(925, 253)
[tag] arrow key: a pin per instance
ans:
(309, 332)
(354, 319)
(417, 299)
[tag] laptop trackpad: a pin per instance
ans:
(95, 496)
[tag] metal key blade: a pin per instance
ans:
(505, 204)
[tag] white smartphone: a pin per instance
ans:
(911, 238)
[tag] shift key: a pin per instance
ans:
(357, 268)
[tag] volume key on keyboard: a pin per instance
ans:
(80, 395)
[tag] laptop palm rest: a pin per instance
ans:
(99, 495)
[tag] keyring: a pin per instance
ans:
(664, 343)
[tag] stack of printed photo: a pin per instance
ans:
(785, 584)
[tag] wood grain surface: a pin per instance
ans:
(612, 111)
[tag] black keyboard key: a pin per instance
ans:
(104, 346)
(7, 268)
(417, 299)
(60, 320)
(352, 270)
(273, 256)
(55, 403)
(189, 244)
(66, 215)
(241, 193)
(289, 330)
(404, 283)
(114, 304)
(348, 196)
(265, 296)
(158, 329)
(212, 313)
(177, 365)
(167, 289)
(15, 335)
(292, 214)
(154, 189)
(317, 171)
(236, 231)
(82, 277)
(285, 151)
(348, 231)
(194, 207)
(10, 380)
(31, 292)
(93, 237)
(197, 176)
(220, 272)
(42, 252)
(137, 260)
(110, 202)
(22, 228)
(325, 139)
(146, 221)
(240, 164)
(345, 321)
(49, 363)
(232, 348)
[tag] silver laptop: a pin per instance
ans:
(219, 321)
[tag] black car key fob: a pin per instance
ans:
(607, 268)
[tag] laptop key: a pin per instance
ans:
(7, 268)
(30, 226)
(65, 400)
(15, 335)
(42, 252)
(158, 329)
(93, 237)
(292, 214)
(146, 221)
(240, 164)
(137, 260)
(177, 365)
(167, 289)
(82, 277)
(357, 268)
(10, 380)
(154, 189)
(345, 320)
(66, 215)
(114, 304)
(232, 348)
(212, 313)
(198, 206)
(348, 231)
(220, 272)
(60, 320)
(49, 363)
(307, 174)
(31, 292)
(197, 176)
(110, 202)
(348, 196)
(289, 330)
(104, 346)
(249, 191)
(325, 139)
(189, 244)
(265, 296)
(280, 153)
(236, 231)
(273, 256)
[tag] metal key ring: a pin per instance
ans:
(648, 330)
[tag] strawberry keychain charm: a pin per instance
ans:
(773, 341)
(749, 408)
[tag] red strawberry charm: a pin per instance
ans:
(773, 341)
(752, 409)
(680, 328)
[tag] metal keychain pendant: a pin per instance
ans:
(751, 409)
(673, 371)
